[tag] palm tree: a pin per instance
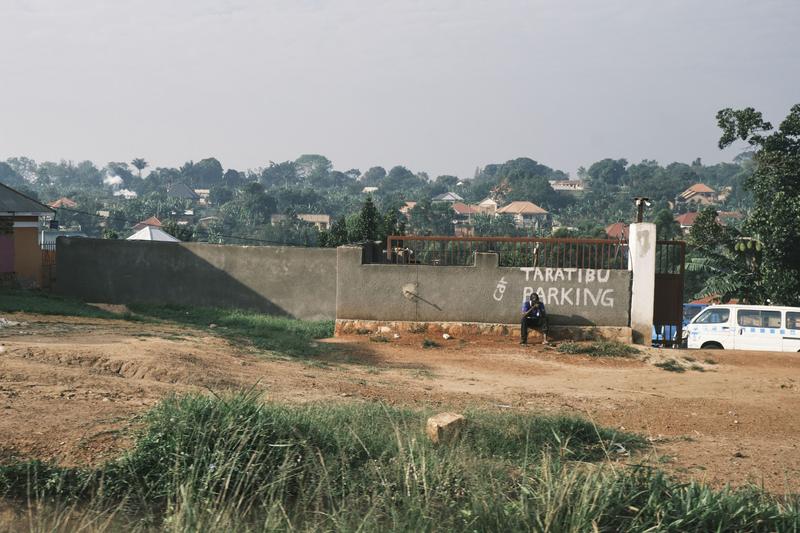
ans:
(140, 165)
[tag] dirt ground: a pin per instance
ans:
(70, 390)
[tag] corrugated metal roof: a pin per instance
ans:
(12, 201)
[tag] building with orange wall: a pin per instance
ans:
(20, 253)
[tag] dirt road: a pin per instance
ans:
(70, 389)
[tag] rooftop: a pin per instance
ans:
(13, 202)
(522, 208)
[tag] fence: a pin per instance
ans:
(512, 251)
(48, 266)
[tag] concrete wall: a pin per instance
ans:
(297, 282)
(480, 293)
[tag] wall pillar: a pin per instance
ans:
(642, 263)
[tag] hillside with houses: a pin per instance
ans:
(309, 202)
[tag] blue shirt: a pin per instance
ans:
(539, 311)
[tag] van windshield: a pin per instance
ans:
(713, 316)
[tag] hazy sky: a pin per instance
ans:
(440, 86)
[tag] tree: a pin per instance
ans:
(313, 166)
(610, 171)
(774, 220)
(667, 228)
(368, 225)
(10, 177)
(374, 175)
(139, 164)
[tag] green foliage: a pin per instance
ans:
(775, 218)
(666, 227)
(721, 253)
(599, 349)
(368, 225)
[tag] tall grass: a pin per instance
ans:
(204, 463)
(284, 335)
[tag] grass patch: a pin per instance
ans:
(599, 349)
(709, 361)
(378, 338)
(205, 463)
(42, 303)
(282, 335)
(696, 367)
(670, 365)
(429, 343)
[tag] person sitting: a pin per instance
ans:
(535, 316)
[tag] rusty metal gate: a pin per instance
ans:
(511, 251)
(668, 298)
(48, 266)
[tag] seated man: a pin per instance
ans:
(533, 315)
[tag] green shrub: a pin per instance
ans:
(670, 365)
(599, 349)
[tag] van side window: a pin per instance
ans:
(770, 319)
(749, 318)
(714, 316)
(792, 320)
(752, 318)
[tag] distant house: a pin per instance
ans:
(527, 215)
(152, 221)
(406, 208)
(64, 202)
(320, 221)
(152, 233)
(568, 185)
(462, 223)
(369, 190)
(182, 192)
(20, 252)
(205, 222)
(687, 220)
(203, 195)
(488, 206)
(48, 237)
(447, 197)
(618, 231)
(699, 193)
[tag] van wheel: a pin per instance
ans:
(712, 346)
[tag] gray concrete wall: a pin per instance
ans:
(480, 293)
(297, 282)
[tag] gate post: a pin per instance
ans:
(642, 263)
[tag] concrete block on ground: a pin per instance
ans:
(445, 427)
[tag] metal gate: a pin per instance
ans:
(668, 298)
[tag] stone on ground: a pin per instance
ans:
(445, 427)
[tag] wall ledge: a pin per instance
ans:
(345, 327)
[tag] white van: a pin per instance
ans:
(746, 327)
